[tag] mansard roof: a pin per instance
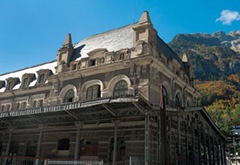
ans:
(112, 40)
(33, 69)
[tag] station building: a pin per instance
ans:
(113, 96)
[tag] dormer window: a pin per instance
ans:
(27, 79)
(74, 67)
(121, 56)
(11, 82)
(92, 62)
(9, 85)
(43, 76)
(2, 84)
(25, 83)
(41, 79)
(101, 60)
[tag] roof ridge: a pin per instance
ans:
(27, 68)
(102, 33)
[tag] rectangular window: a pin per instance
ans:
(101, 61)
(41, 79)
(121, 56)
(2, 108)
(25, 83)
(92, 62)
(74, 67)
(7, 107)
(35, 103)
(63, 144)
(40, 102)
(9, 85)
(18, 105)
(23, 105)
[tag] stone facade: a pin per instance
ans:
(113, 96)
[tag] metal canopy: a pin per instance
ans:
(94, 110)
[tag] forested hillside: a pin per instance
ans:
(216, 60)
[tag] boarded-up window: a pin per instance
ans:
(89, 147)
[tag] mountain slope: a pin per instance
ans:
(211, 55)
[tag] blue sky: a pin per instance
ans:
(31, 31)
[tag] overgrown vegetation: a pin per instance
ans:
(222, 101)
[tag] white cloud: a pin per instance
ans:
(228, 16)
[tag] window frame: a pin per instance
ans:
(67, 98)
(119, 89)
(63, 144)
(93, 92)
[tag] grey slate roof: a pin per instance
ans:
(111, 40)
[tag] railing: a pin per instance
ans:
(19, 160)
(65, 106)
(73, 162)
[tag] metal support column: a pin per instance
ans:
(199, 142)
(76, 154)
(179, 156)
(146, 148)
(9, 140)
(204, 146)
(218, 152)
(159, 140)
(224, 154)
(116, 122)
(39, 140)
(209, 150)
(213, 151)
(77, 141)
(9, 143)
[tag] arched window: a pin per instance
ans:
(177, 100)
(69, 96)
(165, 96)
(120, 89)
(93, 92)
